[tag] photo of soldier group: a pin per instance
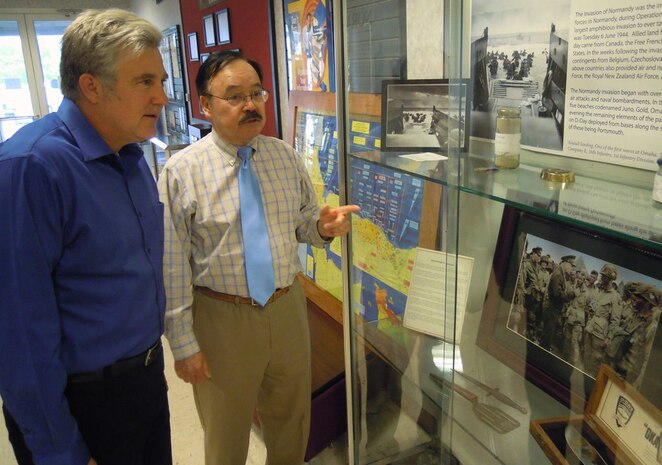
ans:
(584, 310)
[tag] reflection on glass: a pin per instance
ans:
(49, 34)
(15, 100)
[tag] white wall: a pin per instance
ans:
(165, 14)
(62, 4)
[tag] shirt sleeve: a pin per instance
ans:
(32, 376)
(177, 273)
(309, 211)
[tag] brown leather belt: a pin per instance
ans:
(238, 299)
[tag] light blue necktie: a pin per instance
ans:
(257, 252)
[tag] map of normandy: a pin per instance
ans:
(385, 232)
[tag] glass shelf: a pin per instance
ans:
(171, 141)
(606, 198)
(165, 146)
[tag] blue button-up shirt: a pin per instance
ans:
(81, 253)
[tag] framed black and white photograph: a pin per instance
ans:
(562, 301)
(193, 46)
(203, 4)
(209, 30)
(424, 115)
(522, 70)
(203, 57)
(223, 26)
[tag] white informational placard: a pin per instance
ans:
(595, 201)
(636, 427)
(425, 156)
(614, 93)
(432, 295)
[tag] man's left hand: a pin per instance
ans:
(334, 222)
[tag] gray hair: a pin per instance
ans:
(93, 42)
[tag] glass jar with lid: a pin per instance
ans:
(507, 137)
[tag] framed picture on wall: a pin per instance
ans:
(223, 26)
(193, 46)
(202, 4)
(209, 30)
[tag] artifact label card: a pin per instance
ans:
(432, 293)
(626, 419)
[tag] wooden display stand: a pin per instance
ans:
(619, 426)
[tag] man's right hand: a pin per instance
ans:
(92, 462)
(193, 369)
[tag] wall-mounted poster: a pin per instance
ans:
(309, 45)
(386, 233)
(585, 75)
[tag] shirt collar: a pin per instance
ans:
(88, 139)
(228, 150)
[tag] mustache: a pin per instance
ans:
(251, 115)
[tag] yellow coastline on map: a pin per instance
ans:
(327, 275)
(373, 253)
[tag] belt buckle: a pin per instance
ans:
(254, 303)
(150, 352)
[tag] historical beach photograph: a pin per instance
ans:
(422, 115)
(519, 57)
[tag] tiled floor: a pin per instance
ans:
(187, 434)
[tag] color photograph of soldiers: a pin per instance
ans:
(630, 345)
(605, 308)
(535, 280)
(584, 310)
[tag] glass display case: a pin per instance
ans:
(163, 147)
(479, 299)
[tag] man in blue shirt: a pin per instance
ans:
(81, 251)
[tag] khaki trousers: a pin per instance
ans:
(259, 359)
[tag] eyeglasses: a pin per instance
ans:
(258, 96)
